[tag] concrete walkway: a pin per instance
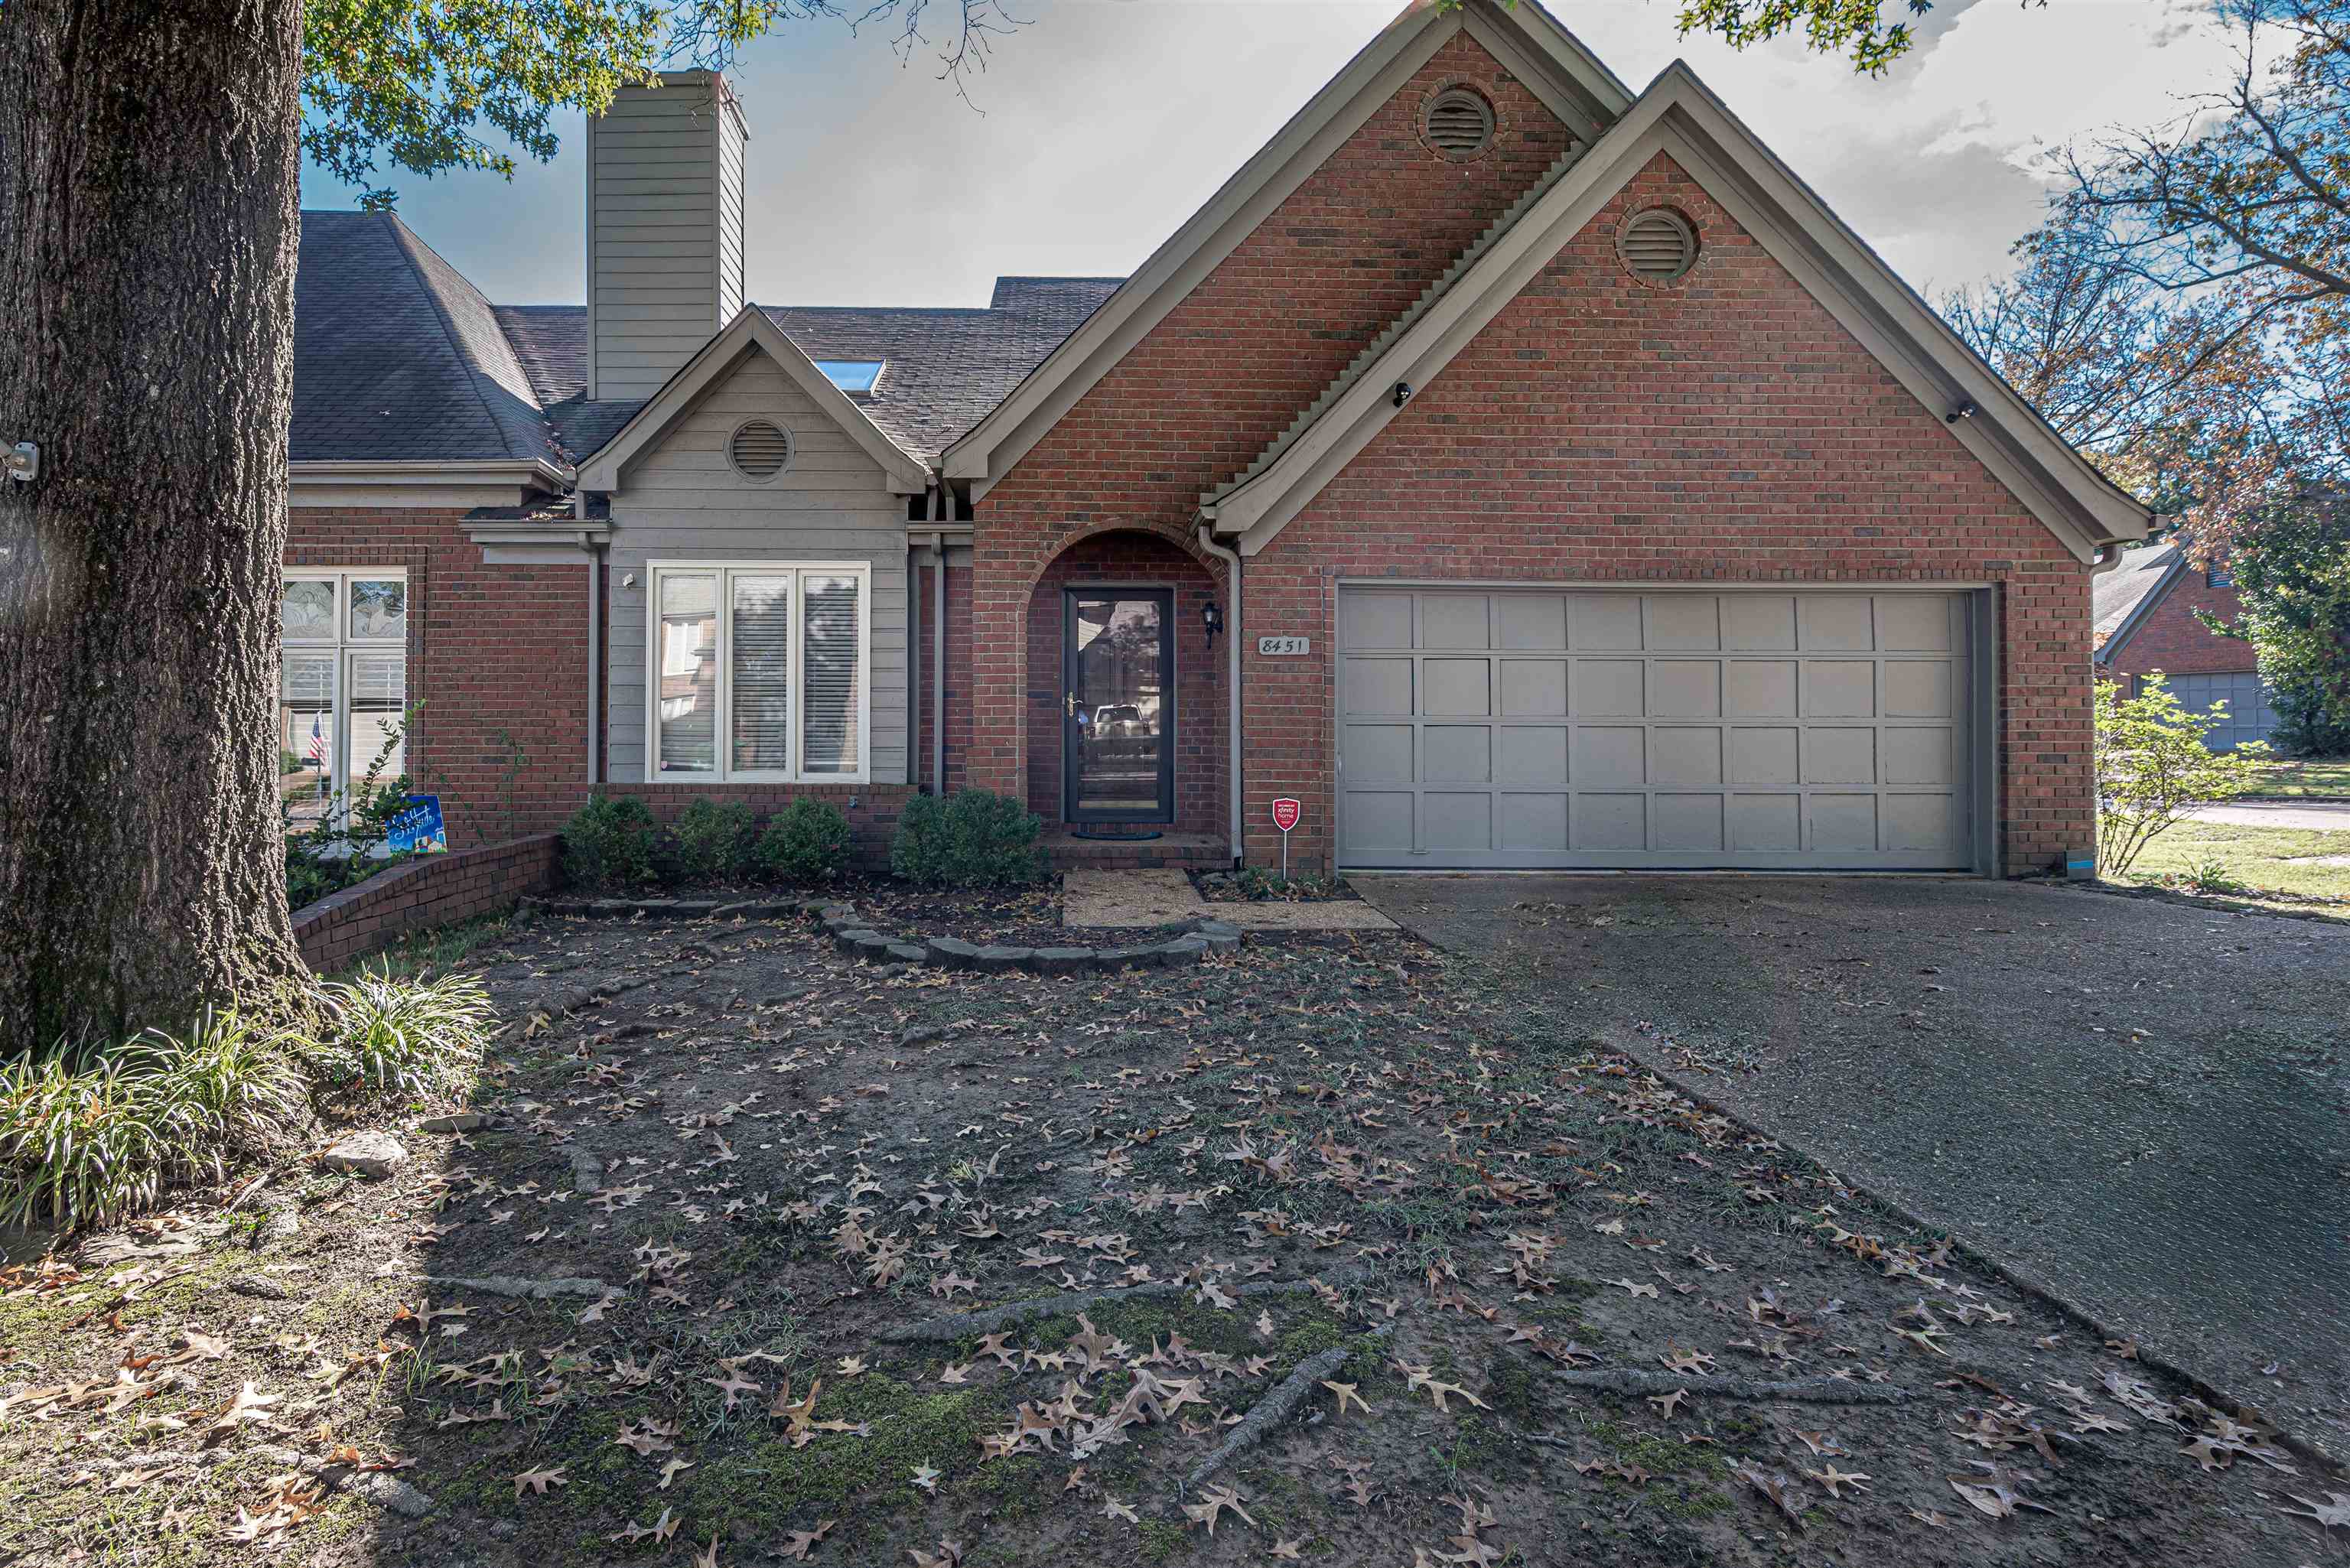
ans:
(2145, 1104)
(1133, 899)
(2326, 816)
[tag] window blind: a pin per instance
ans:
(832, 673)
(761, 668)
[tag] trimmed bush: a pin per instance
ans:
(716, 840)
(807, 841)
(609, 843)
(972, 839)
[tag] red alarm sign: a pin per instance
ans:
(1285, 814)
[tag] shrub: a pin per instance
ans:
(714, 840)
(973, 839)
(421, 1038)
(2152, 767)
(609, 843)
(85, 1145)
(807, 841)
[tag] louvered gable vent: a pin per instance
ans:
(1658, 246)
(1459, 123)
(760, 450)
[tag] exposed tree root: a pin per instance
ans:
(987, 1320)
(516, 1286)
(1815, 1390)
(1274, 1409)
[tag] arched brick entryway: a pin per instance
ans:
(1132, 558)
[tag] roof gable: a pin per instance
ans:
(1524, 36)
(751, 331)
(2121, 600)
(1680, 117)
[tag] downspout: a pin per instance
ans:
(595, 637)
(1232, 560)
(939, 639)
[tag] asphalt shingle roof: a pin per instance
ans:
(2114, 595)
(397, 357)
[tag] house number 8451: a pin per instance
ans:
(1284, 647)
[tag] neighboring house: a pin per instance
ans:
(2145, 622)
(1517, 469)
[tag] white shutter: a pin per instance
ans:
(832, 674)
(760, 667)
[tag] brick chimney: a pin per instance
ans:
(664, 228)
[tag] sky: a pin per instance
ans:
(1101, 125)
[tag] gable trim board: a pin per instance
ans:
(902, 473)
(1681, 118)
(1548, 59)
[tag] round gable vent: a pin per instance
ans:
(1458, 122)
(759, 448)
(1658, 246)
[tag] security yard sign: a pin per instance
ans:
(1284, 817)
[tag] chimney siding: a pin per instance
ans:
(664, 228)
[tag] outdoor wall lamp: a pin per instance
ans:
(22, 460)
(1402, 393)
(1211, 615)
(1965, 411)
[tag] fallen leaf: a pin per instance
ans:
(537, 1482)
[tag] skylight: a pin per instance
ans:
(851, 374)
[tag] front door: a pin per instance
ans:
(1117, 705)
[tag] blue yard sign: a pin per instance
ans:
(416, 826)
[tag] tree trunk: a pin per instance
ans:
(147, 224)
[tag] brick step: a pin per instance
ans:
(1204, 851)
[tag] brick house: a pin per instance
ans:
(2145, 622)
(1516, 469)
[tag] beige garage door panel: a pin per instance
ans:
(1529, 727)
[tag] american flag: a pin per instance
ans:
(318, 742)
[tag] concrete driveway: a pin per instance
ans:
(2324, 816)
(2146, 1106)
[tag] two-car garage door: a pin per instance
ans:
(1526, 727)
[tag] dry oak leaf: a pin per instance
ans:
(658, 1531)
(1834, 1479)
(803, 1542)
(1346, 1392)
(669, 1471)
(1635, 1287)
(947, 1555)
(2332, 1515)
(1113, 1509)
(537, 1482)
(1216, 1499)
(1776, 1488)
(926, 1478)
(708, 1556)
(1667, 1403)
(1289, 1550)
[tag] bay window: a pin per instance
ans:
(342, 685)
(759, 672)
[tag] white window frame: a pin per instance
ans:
(343, 647)
(723, 737)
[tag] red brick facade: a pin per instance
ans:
(1232, 364)
(1129, 558)
(494, 653)
(2170, 639)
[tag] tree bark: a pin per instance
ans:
(147, 225)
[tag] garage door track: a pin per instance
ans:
(2146, 1106)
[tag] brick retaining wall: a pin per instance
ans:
(433, 891)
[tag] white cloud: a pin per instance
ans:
(1106, 122)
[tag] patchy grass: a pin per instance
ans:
(2306, 778)
(420, 955)
(2281, 866)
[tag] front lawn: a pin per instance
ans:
(2228, 860)
(763, 1254)
(2304, 779)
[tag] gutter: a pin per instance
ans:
(590, 542)
(1232, 560)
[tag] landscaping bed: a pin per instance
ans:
(1254, 885)
(699, 1287)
